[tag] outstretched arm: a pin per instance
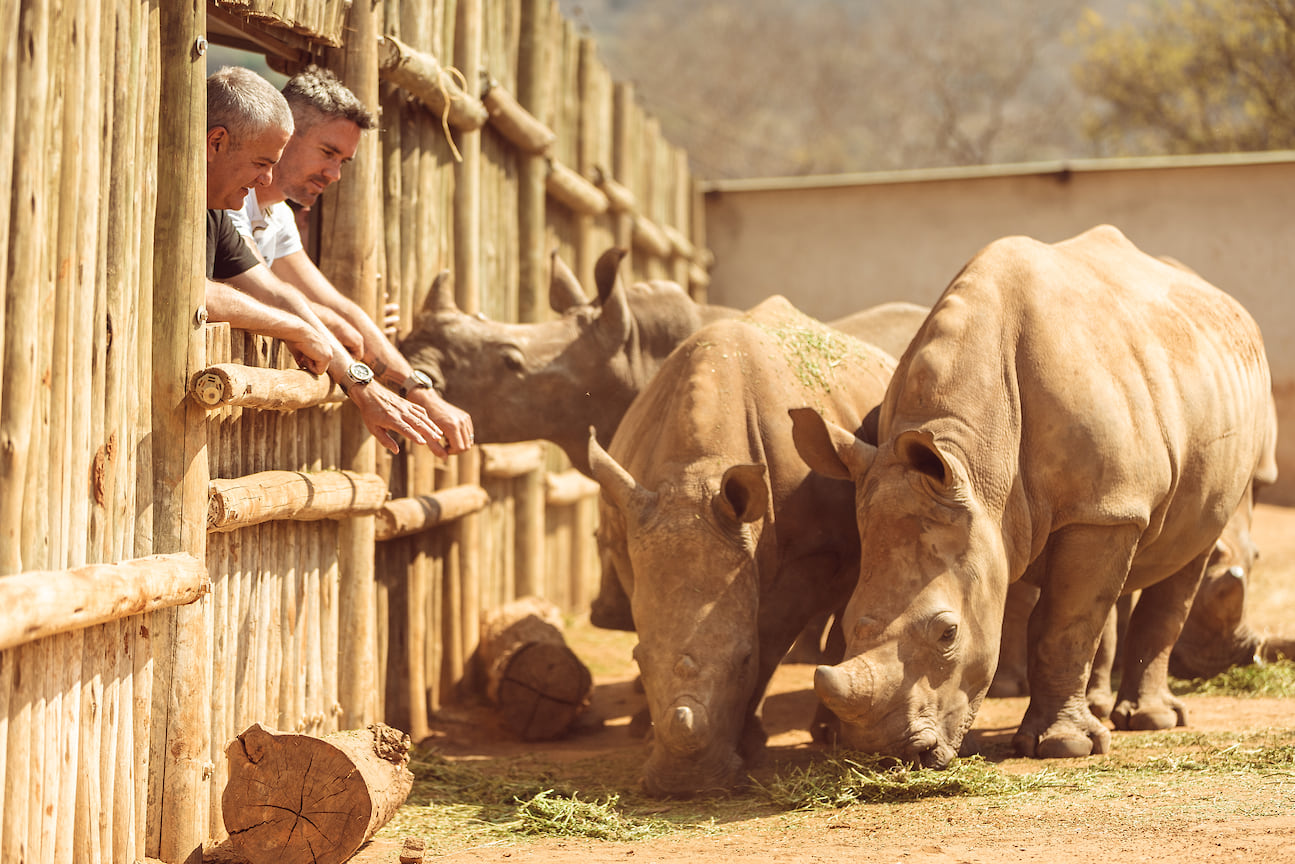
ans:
(391, 367)
(382, 411)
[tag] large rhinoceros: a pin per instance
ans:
(724, 541)
(554, 379)
(1080, 415)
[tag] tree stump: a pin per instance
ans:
(538, 683)
(301, 799)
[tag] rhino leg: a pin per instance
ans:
(1083, 572)
(1010, 677)
(1101, 696)
(1144, 699)
(610, 610)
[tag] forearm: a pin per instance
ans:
(244, 312)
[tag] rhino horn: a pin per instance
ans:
(684, 729)
(615, 320)
(618, 485)
(843, 690)
(564, 288)
(440, 297)
(607, 269)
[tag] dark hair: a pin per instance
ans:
(316, 94)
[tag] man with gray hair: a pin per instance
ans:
(248, 125)
(329, 121)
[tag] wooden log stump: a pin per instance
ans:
(537, 682)
(300, 799)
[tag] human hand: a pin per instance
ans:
(383, 412)
(311, 350)
(453, 421)
(390, 320)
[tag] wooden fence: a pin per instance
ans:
(194, 536)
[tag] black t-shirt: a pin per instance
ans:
(227, 253)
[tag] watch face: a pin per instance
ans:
(359, 373)
(421, 379)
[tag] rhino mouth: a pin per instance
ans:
(668, 776)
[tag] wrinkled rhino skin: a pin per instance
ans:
(554, 379)
(1078, 415)
(724, 542)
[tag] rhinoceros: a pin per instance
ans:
(554, 379)
(722, 539)
(1079, 415)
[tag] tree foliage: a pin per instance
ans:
(1191, 76)
(767, 87)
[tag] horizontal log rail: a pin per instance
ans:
(569, 487)
(574, 192)
(618, 195)
(41, 603)
(255, 387)
(423, 77)
(402, 517)
(515, 123)
(506, 461)
(296, 495)
(648, 235)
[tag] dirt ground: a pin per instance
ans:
(1170, 816)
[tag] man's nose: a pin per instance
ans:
(333, 171)
(265, 178)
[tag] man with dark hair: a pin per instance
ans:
(248, 125)
(329, 121)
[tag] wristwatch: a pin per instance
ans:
(358, 374)
(416, 381)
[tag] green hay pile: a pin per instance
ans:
(1259, 680)
(841, 781)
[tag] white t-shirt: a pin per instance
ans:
(274, 230)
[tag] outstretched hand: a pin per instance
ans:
(383, 413)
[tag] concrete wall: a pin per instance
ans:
(839, 244)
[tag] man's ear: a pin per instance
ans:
(217, 137)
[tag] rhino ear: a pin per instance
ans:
(607, 271)
(829, 449)
(618, 485)
(614, 319)
(916, 448)
(744, 494)
(564, 287)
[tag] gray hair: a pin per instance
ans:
(245, 104)
(316, 95)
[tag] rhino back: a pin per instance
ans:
(724, 393)
(1098, 383)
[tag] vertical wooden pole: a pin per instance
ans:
(623, 164)
(18, 370)
(180, 743)
(350, 249)
(467, 269)
(533, 94)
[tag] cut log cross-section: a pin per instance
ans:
(301, 799)
(538, 683)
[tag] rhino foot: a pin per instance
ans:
(1064, 739)
(1146, 716)
(1101, 701)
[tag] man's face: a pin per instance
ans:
(313, 160)
(233, 168)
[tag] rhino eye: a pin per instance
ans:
(513, 360)
(944, 630)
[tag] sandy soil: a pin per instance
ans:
(1173, 816)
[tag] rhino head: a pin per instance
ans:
(923, 624)
(686, 556)
(522, 382)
